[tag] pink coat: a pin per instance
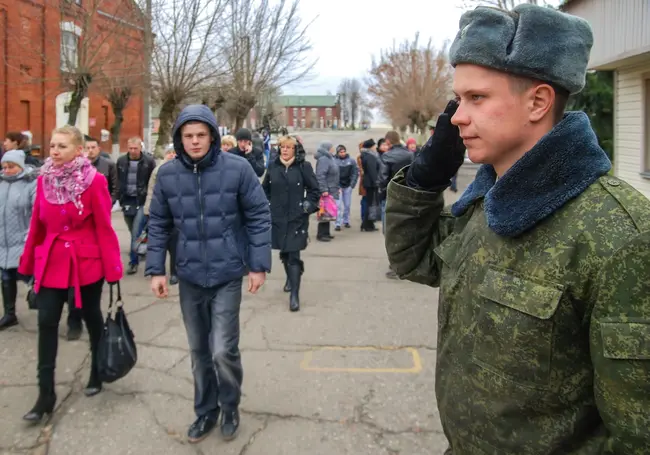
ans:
(66, 248)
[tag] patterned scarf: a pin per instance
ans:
(67, 182)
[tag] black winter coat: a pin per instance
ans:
(286, 190)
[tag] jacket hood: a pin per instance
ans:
(196, 113)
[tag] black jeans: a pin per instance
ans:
(9, 290)
(50, 305)
(211, 317)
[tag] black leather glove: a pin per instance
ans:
(441, 157)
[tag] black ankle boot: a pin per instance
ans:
(9, 292)
(44, 405)
(294, 273)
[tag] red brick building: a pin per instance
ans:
(37, 37)
(311, 111)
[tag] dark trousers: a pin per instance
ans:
(9, 290)
(290, 257)
(50, 305)
(211, 317)
(371, 199)
(136, 225)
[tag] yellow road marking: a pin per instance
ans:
(416, 368)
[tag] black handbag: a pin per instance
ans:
(117, 353)
(31, 296)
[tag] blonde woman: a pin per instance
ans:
(293, 193)
(228, 142)
(71, 250)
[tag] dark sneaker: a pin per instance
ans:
(347, 225)
(132, 270)
(337, 228)
(230, 424)
(201, 428)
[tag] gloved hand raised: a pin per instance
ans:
(441, 157)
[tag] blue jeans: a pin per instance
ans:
(211, 317)
(364, 207)
(343, 209)
(136, 225)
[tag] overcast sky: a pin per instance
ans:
(347, 33)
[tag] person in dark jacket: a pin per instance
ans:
(371, 167)
(327, 173)
(348, 177)
(292, 190)
(221, 215)
(246, 149)
(105, 166)
(133, 173)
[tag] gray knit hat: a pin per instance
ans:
(14, 156)
(531, 41)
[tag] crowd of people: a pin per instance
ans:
(542, 264)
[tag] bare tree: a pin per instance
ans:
(410, 83)
(351, 93)
(89, 34)
(185, 59)
(265, 45)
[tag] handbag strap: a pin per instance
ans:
(118, 302)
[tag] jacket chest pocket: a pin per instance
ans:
(514, 332)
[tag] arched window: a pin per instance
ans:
(70, 34)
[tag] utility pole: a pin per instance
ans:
(148, 45)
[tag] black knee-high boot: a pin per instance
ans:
(295, 271)
(287, 284)
(46, 397)
(9, 293)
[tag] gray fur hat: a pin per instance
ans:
(531, 41)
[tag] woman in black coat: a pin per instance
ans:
(292, 190)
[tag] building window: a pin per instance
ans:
(303, 111)
(328, 111)
(69, 57)
(295, 112)
(70, 34)
(25, 115)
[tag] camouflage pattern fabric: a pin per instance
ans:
(543, 338)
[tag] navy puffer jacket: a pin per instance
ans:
(218, 207)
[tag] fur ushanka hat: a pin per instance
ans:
(531, 41)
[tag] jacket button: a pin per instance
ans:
(613, 182)
(67, 244)
(62, 211)
(65, 228)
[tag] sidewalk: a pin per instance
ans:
(351, 373)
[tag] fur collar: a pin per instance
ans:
(557, 169)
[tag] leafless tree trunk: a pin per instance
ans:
(185, 58)
(266, 45)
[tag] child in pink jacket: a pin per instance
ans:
(71, 250)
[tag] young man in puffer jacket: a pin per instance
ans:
(348, 177)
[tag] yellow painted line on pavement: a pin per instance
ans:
(415, 369)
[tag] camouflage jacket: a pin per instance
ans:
(544, 304)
